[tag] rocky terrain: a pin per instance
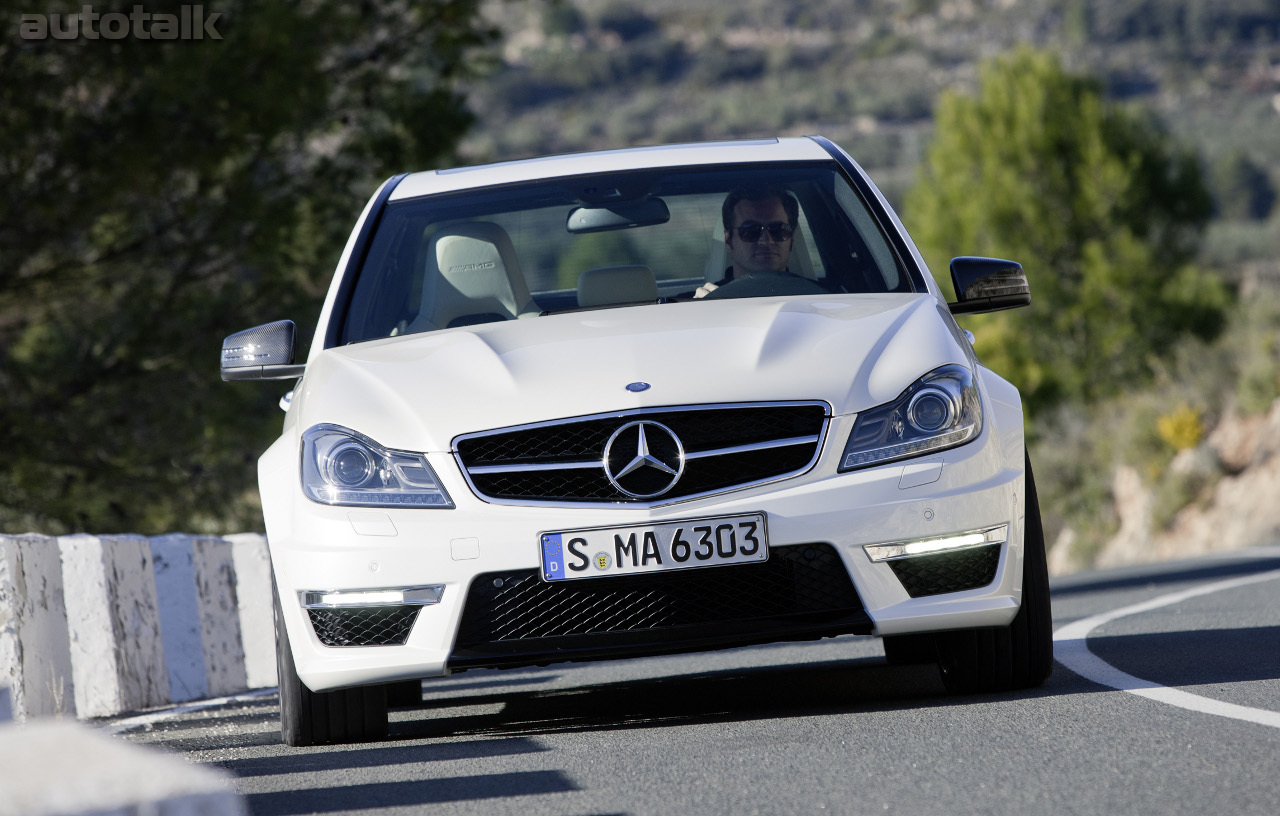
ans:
(1239, 507)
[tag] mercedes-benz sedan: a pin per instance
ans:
(636, 402)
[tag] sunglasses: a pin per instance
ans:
(778, 231)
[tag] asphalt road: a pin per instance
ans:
(1165, 700)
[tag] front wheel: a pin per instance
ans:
(324, 717)
(1016, 656)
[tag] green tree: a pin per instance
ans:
(1242, 190)
(1101, 210)
(158, 195)
(590, 251)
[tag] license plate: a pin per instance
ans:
(625, 550)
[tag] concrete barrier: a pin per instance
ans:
(35, 651)
(199, 617)
(217, 593)
(113, 617)
(97, 625)
(179, 616)
(61, 767)
(253, 598)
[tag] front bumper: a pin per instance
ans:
(317, 547)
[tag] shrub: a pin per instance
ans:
(1182, 428)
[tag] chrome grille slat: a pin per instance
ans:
(758, 446)
(481, 469)
(727, 447)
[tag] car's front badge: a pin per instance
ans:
(644, 459)
(637, 387)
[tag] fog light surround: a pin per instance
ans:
(916, 548)
(391, 596)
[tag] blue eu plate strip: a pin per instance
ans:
(552, 557)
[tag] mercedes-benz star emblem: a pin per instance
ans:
(644, 459)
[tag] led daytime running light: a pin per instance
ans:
(402, 596)
(935, 546)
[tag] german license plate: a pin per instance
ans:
(625, 550)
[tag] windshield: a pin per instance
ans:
(592, 242)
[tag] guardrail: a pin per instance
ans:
(92, 626)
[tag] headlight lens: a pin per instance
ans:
(342, 467)
(940, 410)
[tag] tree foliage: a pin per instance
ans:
(1100, 208)
(156, 196)
(1242, 190)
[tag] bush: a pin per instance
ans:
(1181, 428)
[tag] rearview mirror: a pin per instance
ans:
(261, 353)
(641, 212)
(988, 285)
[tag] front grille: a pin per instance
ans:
(725, 447)
(364, 626)
(948, 572)
(800, 588)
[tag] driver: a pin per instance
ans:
(759, 225)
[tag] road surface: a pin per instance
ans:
(1165, 700)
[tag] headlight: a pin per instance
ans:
(340, 466)
(940, 410)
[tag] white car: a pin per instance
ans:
(636, 402)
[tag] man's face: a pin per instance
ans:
(764, 254)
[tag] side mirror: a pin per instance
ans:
(261, 353)
(988, 285)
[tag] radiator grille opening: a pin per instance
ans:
(726, 447)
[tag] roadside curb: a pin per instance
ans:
(58, 766)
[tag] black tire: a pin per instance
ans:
(1016, 656)
(910, 650)
(404, 694)
(324, 718)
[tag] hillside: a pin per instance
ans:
(583, 74)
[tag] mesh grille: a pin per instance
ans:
(948, 572)
(364, 626)
(700, 430)
(518, 607)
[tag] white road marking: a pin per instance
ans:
(1071, 649)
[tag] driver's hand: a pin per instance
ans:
(704, 290)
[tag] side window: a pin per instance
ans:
(804, 246)
(386, 300)
(885, 261)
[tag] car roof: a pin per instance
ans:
(606, 161)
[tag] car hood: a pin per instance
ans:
(420, 391)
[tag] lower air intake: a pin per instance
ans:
(948, 572)
(364, 626)
(515, 618)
